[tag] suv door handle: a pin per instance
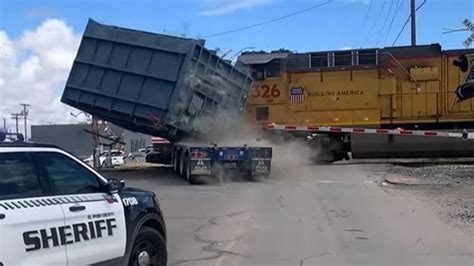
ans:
(77, 208)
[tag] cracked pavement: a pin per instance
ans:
(320, 215)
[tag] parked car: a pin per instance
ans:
(117, 158)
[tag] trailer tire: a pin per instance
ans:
(176, 162)
(182, 165)
(192, 179)
(255, 178)
(330, 157)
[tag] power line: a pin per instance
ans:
(385, 21)
(403, 28)
(448, 30)
(397, 9)
(378, 18)
(34, 121)
(406, 22)
(270, 21)
(367, 14)
(365, 19)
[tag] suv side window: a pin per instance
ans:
(66, 175)
(18, 178)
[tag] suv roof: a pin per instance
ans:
(26, 145)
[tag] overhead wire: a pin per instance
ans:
(390, 8)
(270, 20)
(406, 22)
(377, 19)
(397, 9)
(367, 14)
(34, 121)
(364, 21)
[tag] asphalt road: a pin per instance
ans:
(309, 215)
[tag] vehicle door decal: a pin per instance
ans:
(130, 201)
(34, 203)
(71, 233)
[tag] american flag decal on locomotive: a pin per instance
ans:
(296, 94)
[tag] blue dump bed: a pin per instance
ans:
(153, 83)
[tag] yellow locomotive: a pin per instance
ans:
(410, 86)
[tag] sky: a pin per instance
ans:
(39, 39)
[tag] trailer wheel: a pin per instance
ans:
(176, 162)
(182, 165)
(218, 173)
(192, 179)
(255, 178)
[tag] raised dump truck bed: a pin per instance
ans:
(153, 83)
(167, 87)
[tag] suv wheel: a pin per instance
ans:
(149, 248)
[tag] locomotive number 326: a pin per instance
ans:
(264, 91)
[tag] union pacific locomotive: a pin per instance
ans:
(394, 87)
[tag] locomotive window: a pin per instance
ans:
(273, 69)
(297, 62)
(258, 72)
(367, 57)
(343, 59)
(261, 72)
(319, 60)
(261, 113)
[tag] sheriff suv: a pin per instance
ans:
(55, 209)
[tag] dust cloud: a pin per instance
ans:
(224, 125)
(199, 117)
(289, 156)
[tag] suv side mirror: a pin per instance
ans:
(115, 185)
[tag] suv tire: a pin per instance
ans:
(149, 248)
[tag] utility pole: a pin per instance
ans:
(413, 22)
(95, 141)
(4, 123)
(24, 112)
(15, 117)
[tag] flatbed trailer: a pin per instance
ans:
(195, 161)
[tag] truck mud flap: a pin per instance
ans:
(200, 166)
(261, 166)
